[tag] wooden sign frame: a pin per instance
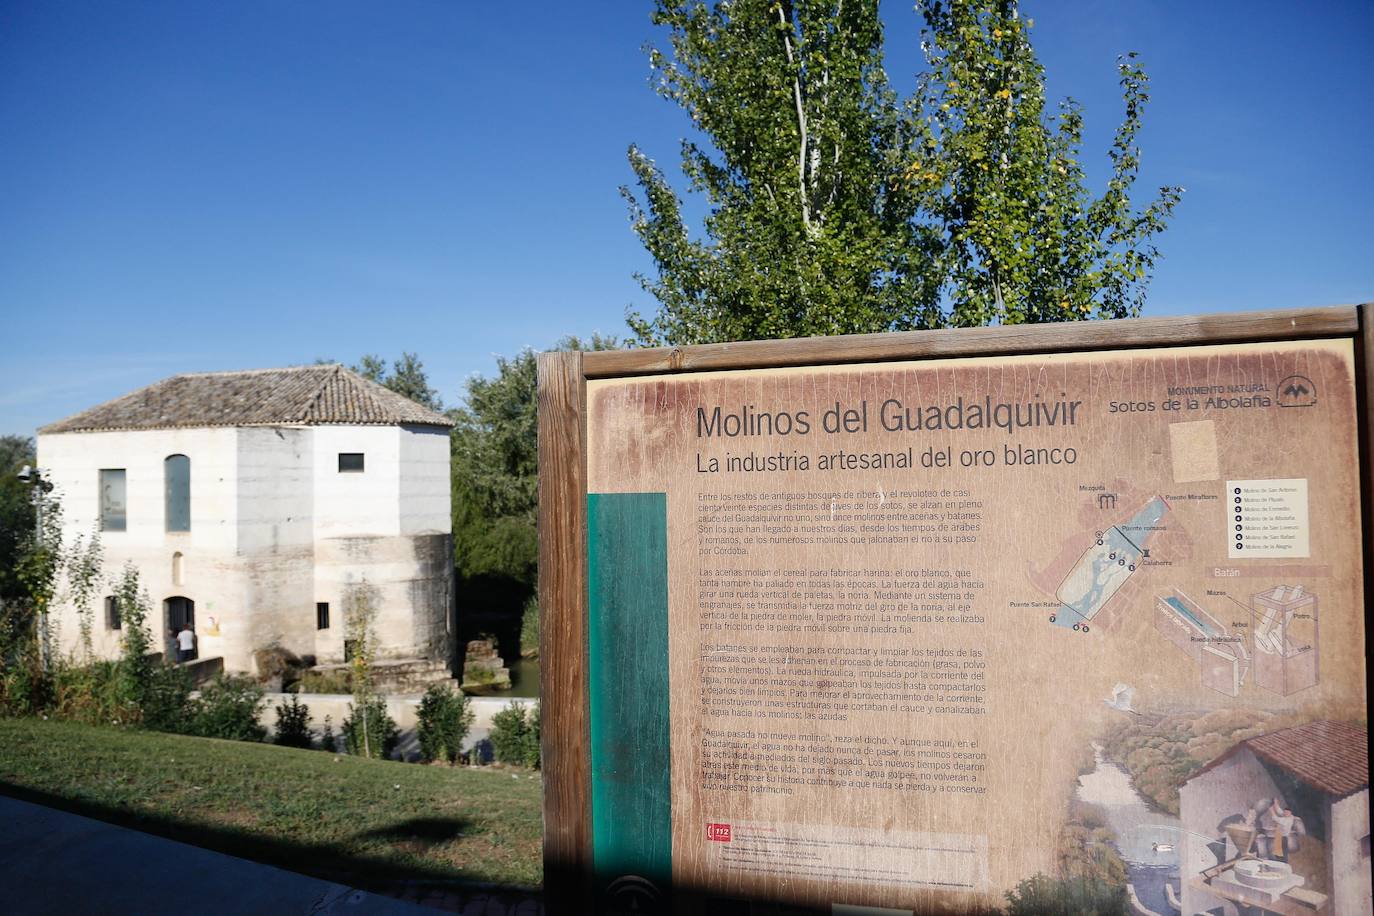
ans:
(563, 547)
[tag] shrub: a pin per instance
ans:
(293, 724)
(529, 628)
(136, 666)
(444, 720)
(531, 751)
(336, 681)
(328, 741)
(166, 699)
(25, 686)
(91, 694)
(228, 708)
(515, 736)
(369, 731)
(1043, 894)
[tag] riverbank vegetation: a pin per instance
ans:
(1090, 875)
(1162, 752)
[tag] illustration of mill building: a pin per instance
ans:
(1280, 824)
(255, 506)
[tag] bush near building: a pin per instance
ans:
(444, 720)
(369, 730)
(515, 736)
(293, 724)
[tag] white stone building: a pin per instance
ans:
(252, 502)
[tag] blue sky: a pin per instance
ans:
(190, 186)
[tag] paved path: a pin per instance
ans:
(53, 862)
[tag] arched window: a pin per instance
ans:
(177, 568)
(177, 472)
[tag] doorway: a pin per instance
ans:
(181, 612)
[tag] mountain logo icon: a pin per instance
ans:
(1296, 391)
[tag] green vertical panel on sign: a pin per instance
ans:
(627, 577)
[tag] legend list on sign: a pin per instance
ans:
(1267, 518)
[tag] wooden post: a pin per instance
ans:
(563, 632)
(1364, 391)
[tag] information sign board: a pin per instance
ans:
(923, 621)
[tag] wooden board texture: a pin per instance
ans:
(1235, 327)
(563, 636)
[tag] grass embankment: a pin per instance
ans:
(362, 822)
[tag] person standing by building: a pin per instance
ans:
(186, 643)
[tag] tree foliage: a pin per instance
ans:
(495, 469)
(84, 562)
(1042, 894)
(1022, 240)
(137, 669)
(406, 377)
(442, 723)
(515, 735)
(837, 207)
(811, 228)
(16, 511)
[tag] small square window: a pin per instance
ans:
(350, 462)
(322, 615)
(113, 620)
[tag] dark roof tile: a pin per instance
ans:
(1330, 756)
(301, 396)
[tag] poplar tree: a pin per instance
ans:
(836, 207)
(1021, 238)
(812, 226)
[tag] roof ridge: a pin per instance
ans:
(312, 408)
(375, 393)
(312, 367)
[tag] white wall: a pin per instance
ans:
(1350, 873)
(72, 461)
(275, 543)
(275, 528)
(275, 490)
(349, 504)
(425, 484)
(397, 523)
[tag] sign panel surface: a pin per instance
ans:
(940, 631)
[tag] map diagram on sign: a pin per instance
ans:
(1106, 565)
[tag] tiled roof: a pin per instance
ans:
(1330, 756)
(301, 396)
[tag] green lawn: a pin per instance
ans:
(367, 823)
